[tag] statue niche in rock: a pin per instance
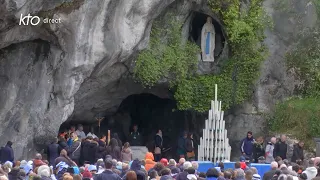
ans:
(208, 40)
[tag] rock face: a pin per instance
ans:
(39, 78)
(82, 66)
(275, 83)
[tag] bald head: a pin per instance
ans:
(182, 160)
(283, 138)
(274, 165)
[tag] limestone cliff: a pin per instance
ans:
(81, 66)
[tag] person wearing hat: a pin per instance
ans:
(6, 153)
(108, 173)
(92, 169)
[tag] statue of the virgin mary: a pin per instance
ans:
(208, 40)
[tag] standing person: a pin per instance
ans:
(74, 151)
(81, 135)
(6, 153)
(63, 158)
(126, 154)
(280, 148)
(53, 151)
(269, 174)
(62, 144)
(181, 145)
(158, 141)
(258, 149)
(189, 145)
(116, 136)
(135, 137)
(88, 151)
(269, 150)
(247, 145)
(298, 152)
(114, 150)
(101, 149)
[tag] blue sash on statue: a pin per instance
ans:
(208, 43)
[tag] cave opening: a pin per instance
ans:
(150, 113)
(197, 22)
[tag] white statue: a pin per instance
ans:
(208, 40)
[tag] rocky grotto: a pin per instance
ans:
(73, 71)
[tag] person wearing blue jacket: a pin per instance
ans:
(6, 153)
(247, 145)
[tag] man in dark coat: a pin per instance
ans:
(7, 153)
(108, 173)
(298, 152)
(280, 148)
(53, 151)
(158, 141)
(247, 145)
(135, 137)
(181, 145)
(88, 151)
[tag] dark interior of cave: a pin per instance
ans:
(199, 19)
(150, 113)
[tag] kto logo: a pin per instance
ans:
(35, 20)
(24, 20)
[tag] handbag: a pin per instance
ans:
(157, 150)
(190, 154)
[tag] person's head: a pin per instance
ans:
(202, 175)
(158, 167)
(239, 173)
(126, 145)
(295, 168)
(36, 177)
(283, 138)
(80, 127)
(103, 137)
(249, 134)
(185, 135)
(182, 160)
(44, 170)
(153, 174)
(195, 165)
(9, 143)
(165, 171)
(212, 172)
(113, 143)
(38, 156)
(190, 135)
(209, 19)
(77, 177)
(159, 131)
(63, 152)
(249, 175)
(172, 162)
(278, 159)
(254, 170)
(237, 165)
(301, 144)
(74, 136)
(131, 175)
(227, 175)
(311, 163)
(135, 128)
(259, 139)
(303, 176)
(72, 128)
(90, 138)
(273, 140)
(186, 165)
(164, 161)
(67, 176)
(221, 165)
(274, 165)
(108, 163)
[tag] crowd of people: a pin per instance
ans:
(256, 151)
(75, 155)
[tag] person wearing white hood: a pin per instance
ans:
(311, 171)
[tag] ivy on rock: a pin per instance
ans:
(177, 62)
